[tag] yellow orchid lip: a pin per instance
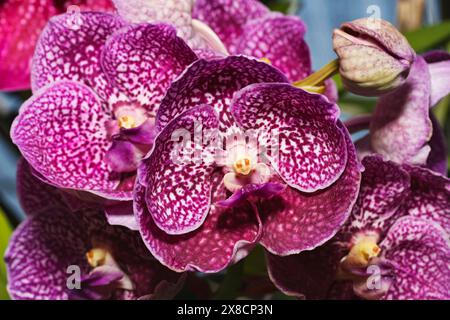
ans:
(127, 122)
(359, 256)
(243, 165)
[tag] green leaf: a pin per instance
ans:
(5, 233)
(255, 263)
(355, 105)
(231, 284)
(427, 38)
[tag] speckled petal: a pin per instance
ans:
(228, 17)
(439, 67)
(225, 237)
(38, 255)
(214, 83)
(20, 25)
(429, 197)
(142, 61)
(34, 195)
(384, 187)
(278, 38)
(401, 127)
(61, 131)
(178, 186)
(309, 274)
(296, 221)
(67, 50)
(420, 251)
(437, 159)
(312, 150)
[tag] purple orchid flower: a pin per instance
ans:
(203, 215)
(402, 128)
(96, 92)
(21, 23)
(395, 244)
(113, 262)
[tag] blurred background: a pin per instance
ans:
(425, 23)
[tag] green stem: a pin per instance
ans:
(317, 78)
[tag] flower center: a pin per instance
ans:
(127, 122)
(361, 253)
(243, 165)
(97, 257)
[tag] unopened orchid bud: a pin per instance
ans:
(374, 57)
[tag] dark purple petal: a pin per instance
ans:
(248, 191)
(45, 245)
(225, 237)
(312, 150)
(429, 196)
(178, 186)
(39, 254)
(309, 274)
(65, 52)
(296, 221)
(214, 83)
(420, 252)
(34, 195)
(401, 127)
(228, 17)
(279, 39)
(143, 60)
(61, 132)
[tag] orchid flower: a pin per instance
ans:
(21, 22)
(204, 215)
(395, 245)
(402, 127)
(56, 243)
(96, 92)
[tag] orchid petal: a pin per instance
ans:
(61, 131)
(420, 250)
(142, 61)
(296, 221)
(214, 83)
(73, 53)
(178, 185)
(225, 237)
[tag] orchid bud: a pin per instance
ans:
(374, 57)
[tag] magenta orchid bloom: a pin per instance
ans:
(96, 93)
(394, 246)
(21, 22)
(113, 262)
(204, 215)
(403, 128)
